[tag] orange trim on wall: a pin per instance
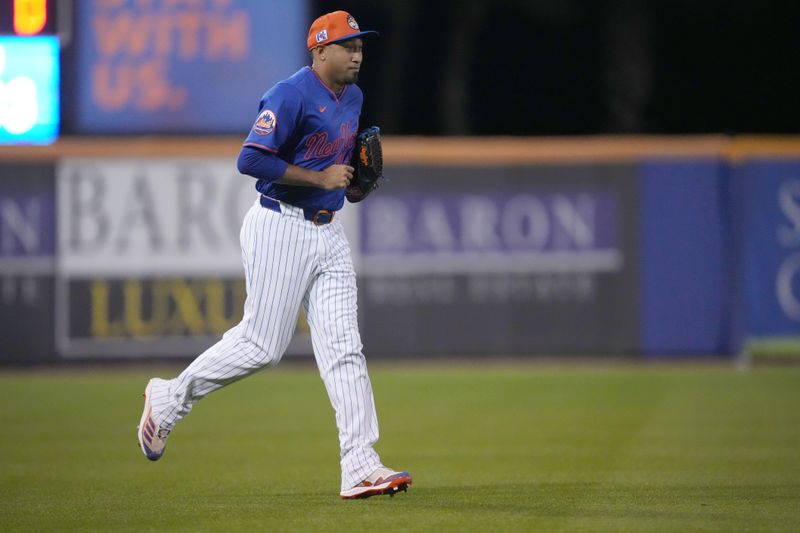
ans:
(441, 151)
(472, 151)
(127, 147)
(747, 147)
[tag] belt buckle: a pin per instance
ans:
(322, 217)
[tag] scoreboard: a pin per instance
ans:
(29, 72)
(28, 17)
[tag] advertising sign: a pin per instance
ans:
(522, 260)
(149, 256)
(154, 316)
(27, 246)
(189, 67)
(768, 197)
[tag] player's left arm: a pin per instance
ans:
(366, 159)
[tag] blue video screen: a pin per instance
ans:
(29, 90)
(184, 67)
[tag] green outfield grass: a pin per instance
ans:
(503, 448)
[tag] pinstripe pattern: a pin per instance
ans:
(331, 310)
(290, 262)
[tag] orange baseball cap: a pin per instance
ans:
(333, 27)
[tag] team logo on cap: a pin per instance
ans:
(265, 123)
(352, 22)
(322, 36)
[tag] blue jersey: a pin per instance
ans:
(306, 124)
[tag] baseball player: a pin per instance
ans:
(295, 253)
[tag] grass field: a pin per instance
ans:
(503, 447)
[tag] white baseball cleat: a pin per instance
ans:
(381, 481)
(152, 437)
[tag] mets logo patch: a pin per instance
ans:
(352, 22)
(265, 123)
(322, 36)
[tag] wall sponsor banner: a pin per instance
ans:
(27, 246)
(150, 258)
(154, 216)
(767, 195)
(161, 316)
(196, 66)
(491, 232)
(521, 260)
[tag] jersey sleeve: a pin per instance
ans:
(278, 116)
(260, 164)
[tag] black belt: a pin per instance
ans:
(320, 217)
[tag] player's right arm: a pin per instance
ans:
(333, 177)
(265, 165)
(279, 113)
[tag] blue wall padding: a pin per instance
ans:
(685, 275)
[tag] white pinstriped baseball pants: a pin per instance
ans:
(289, 262)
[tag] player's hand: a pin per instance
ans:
(336, 177)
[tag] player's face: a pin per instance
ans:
(345, 58)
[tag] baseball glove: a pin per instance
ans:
(368, 164)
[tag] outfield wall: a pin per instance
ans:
(591, 246)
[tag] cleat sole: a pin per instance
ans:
(394, 487)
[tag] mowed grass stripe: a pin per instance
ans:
(514, 446)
